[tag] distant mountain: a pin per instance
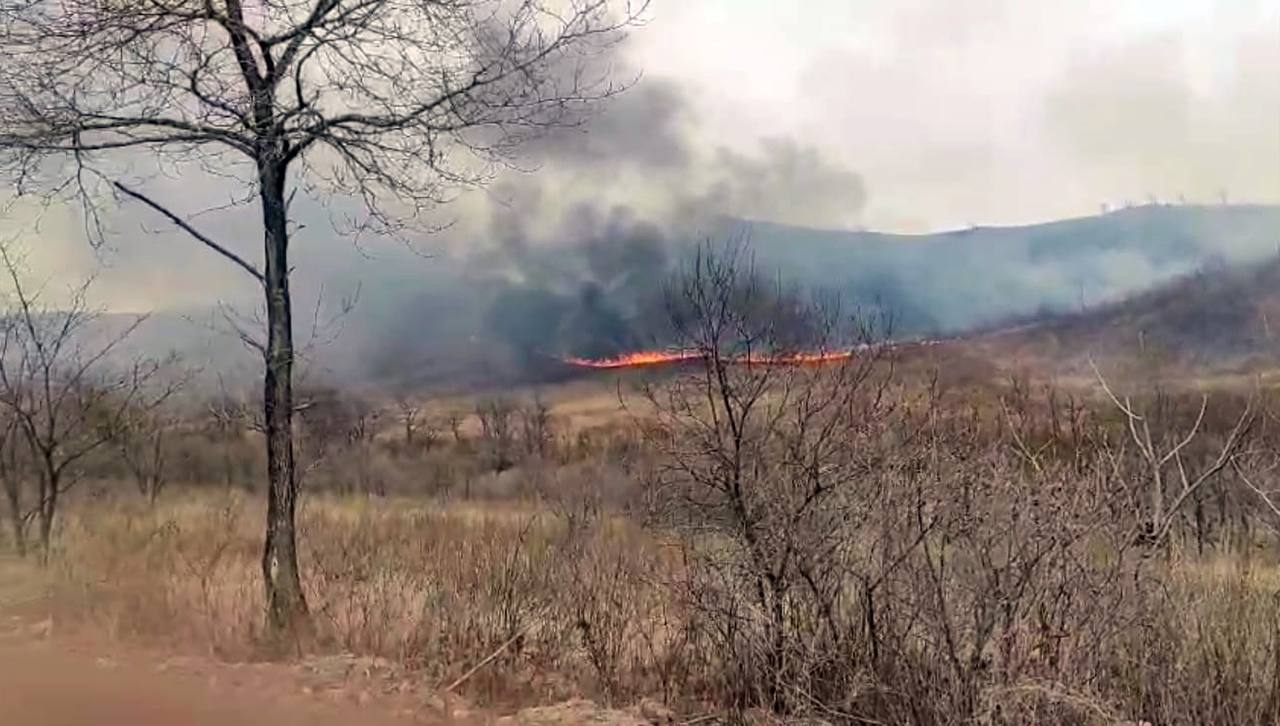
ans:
(451, 322)
(1217, 319)
(955, 281)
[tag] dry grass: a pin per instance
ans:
(546, 574)
(437, 588)
(581, 601)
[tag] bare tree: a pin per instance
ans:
(497, 417)
(764, 447)
(361, 438)
(537, 428)
(227, 422)
(58, 389)
(13, 477)
(391, 102)
(1173, 478)
(455, 420)
(141, 439)
(410, 413)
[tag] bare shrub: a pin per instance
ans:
(143, 441)
(863, 550)
(339, 426)
(537, 428)
(497, 417)
(761, 464)
(180, 573)
(61, 397)
(1023, 602)
(1174, 475)
(756, 538)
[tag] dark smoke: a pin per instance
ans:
(571, 260)
(591, 291)
(648, 126)
(577, 274)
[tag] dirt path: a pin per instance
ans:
(50, 678)
(48, 682)
(61, 678)
(42, 685)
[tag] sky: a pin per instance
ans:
(959, 112)
(896, 115)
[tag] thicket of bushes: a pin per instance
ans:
(900, 554)
(822, 542)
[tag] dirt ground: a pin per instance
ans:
(45, 682)
(53, 678)
(43, 685)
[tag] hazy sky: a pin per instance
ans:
(901, 115)
(991, 111)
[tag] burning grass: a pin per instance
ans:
(644, 358)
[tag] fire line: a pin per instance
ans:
(661, 357)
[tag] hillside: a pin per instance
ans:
(1215, 320)
(955, 281)
(454, 323)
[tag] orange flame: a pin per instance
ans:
(659, 357)
(802, 358)
(639, 358)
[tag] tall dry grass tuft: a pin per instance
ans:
(184, 572)
(564, 602)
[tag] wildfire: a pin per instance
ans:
(660, 357)
(798, 359)
(639, 358)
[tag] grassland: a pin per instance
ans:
(981, 562)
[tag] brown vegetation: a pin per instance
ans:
(279, 100)
(1219, 319)
(838, 543)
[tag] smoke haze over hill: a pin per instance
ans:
(906, 117)
(598, 292)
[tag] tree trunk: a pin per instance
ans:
(46, 534)
(1200, 524)
(286, 606)
(153, 490)
(13, 495)
(48, 508)
(873, 631)
(155, 482)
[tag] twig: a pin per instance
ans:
(1266, 499)
(489, 659)
(186, 227)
